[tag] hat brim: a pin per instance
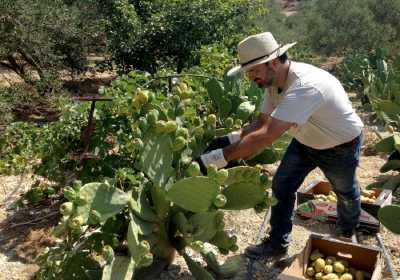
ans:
(238, 69)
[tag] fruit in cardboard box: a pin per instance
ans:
(366, 196)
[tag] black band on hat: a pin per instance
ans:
(253, 60)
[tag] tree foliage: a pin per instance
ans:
(148, 34)
(336, 26)
(44, 35)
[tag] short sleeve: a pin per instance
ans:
(298, 105)
(266, 106)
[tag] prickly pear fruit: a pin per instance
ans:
(328, 269)
(338, 267)
(318, 276)
(212, 171)
(330, 276)
(66, 208)
(220, 200)
(315, 255)
(197, 245)
(330, 260)
(319, 265)
(170, 126)
(161, 127)
(182, 132)
(142, 96)
(228, 122)
(198, 131)
(146, 260)
(108, 253)
(95, 216)
(310, 271)
(152, 116)
(76, 185)
(76, 222)
(193, 169)
(70, 194)
(221, 176)
(211, 120)
(346, 276)
(144, 246)
(175, 99)
(179, 144)
(81, 200)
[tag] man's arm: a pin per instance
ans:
(256, 140)
(255, 125)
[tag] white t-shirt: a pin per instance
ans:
(316, 102)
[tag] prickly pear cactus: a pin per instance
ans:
(121, 268)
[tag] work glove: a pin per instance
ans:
(215, 157)
(224, 141)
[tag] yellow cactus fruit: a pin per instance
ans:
(344, 262)
(331, 198)
(310, 271)
(330, 260)
(346, 276)
(330, 276)
(316, 255)
(328, 269)
(318, 276)
(359, 275)
(338, 267)
(319, 265)
(332, 193)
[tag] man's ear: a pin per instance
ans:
(274, 64)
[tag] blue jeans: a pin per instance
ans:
(339, 166)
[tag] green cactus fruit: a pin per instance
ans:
(211, 120)
(193, 169)
(222, 240)
(142, 96)
(221, 176)
(81, 200)
(70, 194)
(108, 253)
(182, 132)
(77, 185)
(179, 144)
(197, 121)
(390, 216)
(198, 131)
(238, 122)
(144, 246)
(152, 117)
(66, 208)
(138, 144)
(143, 124)
(161, 127)
(209, 133)
(220, 200)
(170, 126)
(76, 222)
(146, 260)
(197, 245)
(50, 190)
(228, 122)
(212, 171)
(180, 109)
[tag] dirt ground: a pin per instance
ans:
(20, 244)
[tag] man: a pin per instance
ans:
(312, 106)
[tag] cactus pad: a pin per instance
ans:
(390, 217)
(195, 194)
(106, 200)
(121, 268)
(197, 270)
(231, 266)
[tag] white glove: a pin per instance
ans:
(214, 157)
(234, 136)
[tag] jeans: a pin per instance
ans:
(338, 165)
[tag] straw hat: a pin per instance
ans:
(258, 49)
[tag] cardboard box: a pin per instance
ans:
(383, 197)
(360, 257)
